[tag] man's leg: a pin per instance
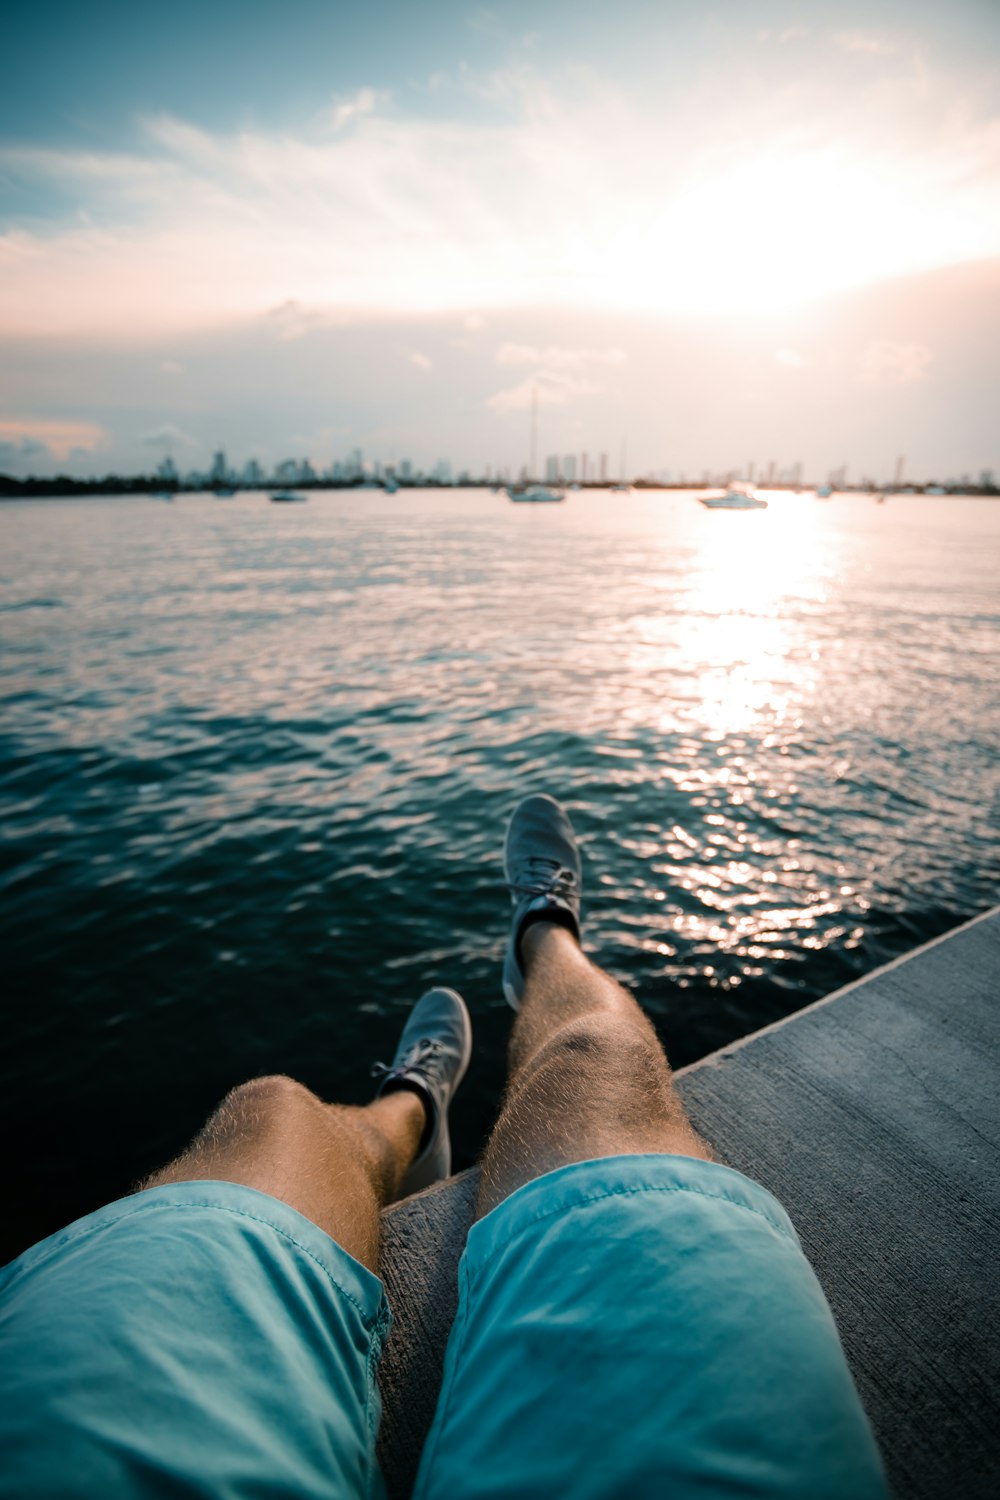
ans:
(218, 1332)
(587, 1075)
(339, 1165)
(336, 1165)
(634, 1318)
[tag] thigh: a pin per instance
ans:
(644, 1326)
(199, 1338)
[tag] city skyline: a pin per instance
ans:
(772, 229)
(578, 470)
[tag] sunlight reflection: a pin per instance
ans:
(744, 632)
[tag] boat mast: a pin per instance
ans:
(534, 431)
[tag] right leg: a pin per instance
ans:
(587, 1075)
(634, 1318)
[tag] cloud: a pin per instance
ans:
(782, 38)
(52, 435)
(553, 357)
(552, 188)
(171, 367)
(790, 357)
(870, 42)
(363, 102)
(558, 374)
(888, 363)
(552, 388)
(13, 454)
(421, 361)
(167, 436)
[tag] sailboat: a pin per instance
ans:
(529, 491)
(621, 487)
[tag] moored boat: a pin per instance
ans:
(736, 497)
(534, 494)
(287, 497)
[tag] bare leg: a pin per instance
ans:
(587, 1075)
(336, 1164)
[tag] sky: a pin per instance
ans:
(704, 233)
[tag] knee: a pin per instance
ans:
(263, 1099)
(598, 1049)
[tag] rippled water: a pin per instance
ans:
(256, 761)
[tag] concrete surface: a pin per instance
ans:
(873, 1116)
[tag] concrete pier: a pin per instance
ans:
(874, 1116)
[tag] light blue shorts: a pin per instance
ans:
(644, 1326)
(200, 1339)
(635, 1326)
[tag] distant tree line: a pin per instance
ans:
(61, 485)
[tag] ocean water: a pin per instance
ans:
(255, 764)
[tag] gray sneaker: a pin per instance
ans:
(543, 871)
(431, 1058)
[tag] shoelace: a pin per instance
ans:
(422, 1051)
(548, 878)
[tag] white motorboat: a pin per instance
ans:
(534, 494)
(736, 497)
(287, 497)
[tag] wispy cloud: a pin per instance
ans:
(561, 190)
(550, 387)
(875, 44)
(51, 435)
(364, 102)
(559, 374)
(887, 363)
(421, 361)
(167, 437)
(555, 357)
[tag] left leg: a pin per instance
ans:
(219, 1331)
(336, 1165)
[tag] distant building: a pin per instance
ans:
(900, 466)
(604, 468)
(442, 471)
(552, 469)
(584, 468)
(253, 475)
(770, 472)
(167, 471)
(219, 472)
(287, 472)
(569, 468)
(405, 470)
(986, 479)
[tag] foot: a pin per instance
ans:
(431, 1058)
(543, 871)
